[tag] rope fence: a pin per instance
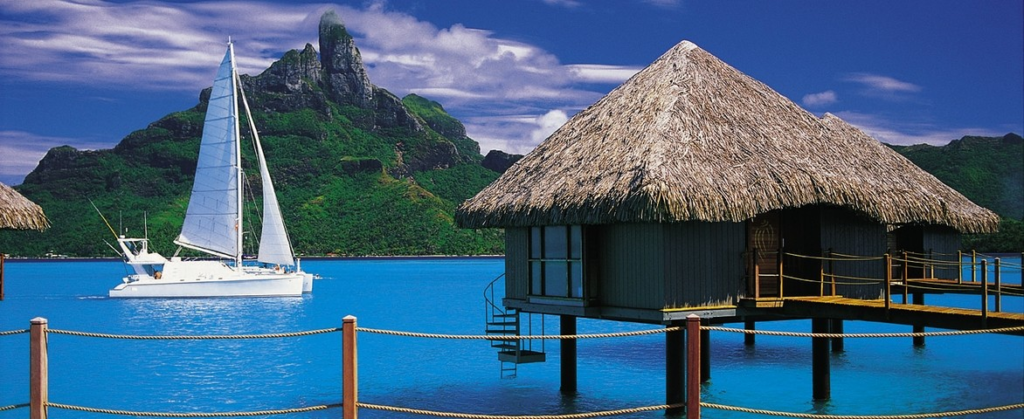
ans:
(39, 402)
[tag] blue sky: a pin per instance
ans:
(89, 72)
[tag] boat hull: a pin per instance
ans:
(212, 279)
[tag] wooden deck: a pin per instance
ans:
(835, 307)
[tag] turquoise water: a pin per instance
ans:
(873, 376)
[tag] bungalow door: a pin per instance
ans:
(764, 239)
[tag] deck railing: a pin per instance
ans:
(894, 270)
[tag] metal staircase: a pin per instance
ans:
(507, 322)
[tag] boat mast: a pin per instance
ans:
(238, 156)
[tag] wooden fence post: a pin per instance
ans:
(349, 369)
(999, 289)
(692, 367)
(781, 276)
(38, 372)
(888, 282)
(984, 290)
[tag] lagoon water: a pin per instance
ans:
(873, 376)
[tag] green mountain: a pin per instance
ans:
(988, 171)
(357, 170)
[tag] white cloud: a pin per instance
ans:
(827, 97)
(909, 133)
(597, 73)
(882, 86)
(547, 124)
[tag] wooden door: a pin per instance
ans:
(764, 239)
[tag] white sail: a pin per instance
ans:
(212, 218)
(274, 244)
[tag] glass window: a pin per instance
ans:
(555, 242)
(555, 279)
(556, 261)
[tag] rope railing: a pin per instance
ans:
(350, 329)
(13, 332)
(194, 337)
(863, 335)
(910, 416)
(193, 414)
(520, 337)
(598, 414)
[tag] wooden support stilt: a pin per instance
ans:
(567, 327)
(349, 369)
(749, 338)
(705, 356)
(693, 367)
(918, 298)
(836, 326)
(674, 370)
(821, 375)
(38, 369)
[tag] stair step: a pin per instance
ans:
(501, 323)
(501, 331)
(506, 315)
(523, 357)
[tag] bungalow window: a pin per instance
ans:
(556, 261)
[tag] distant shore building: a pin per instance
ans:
(659, 199)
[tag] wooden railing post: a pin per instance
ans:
(38, 370)
(349, 369)
(960, 267)
(692, 367)
(832, 270)
(906, 275)
(781, 276)
(999, 288)
(757, 275)
(974, 263)
(984, 289)
(888, 282)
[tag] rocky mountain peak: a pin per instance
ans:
(343, 69)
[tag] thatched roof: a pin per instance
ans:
(691, 138)
(17, 212)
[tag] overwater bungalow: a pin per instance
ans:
(18, 213)
(660, 200)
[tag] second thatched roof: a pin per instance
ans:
(691, 138)
(17, 212)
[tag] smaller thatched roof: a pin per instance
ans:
(690, 138)
(17, 212)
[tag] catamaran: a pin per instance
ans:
(213, 220)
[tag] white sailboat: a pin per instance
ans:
(213, 220)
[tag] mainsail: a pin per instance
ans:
(212, 219)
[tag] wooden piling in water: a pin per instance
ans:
(705, 356)
(820, 372)
(693, 366)
(918, 298)
(749, 338)
(674, 370)
(836, 326)
(349, 369)
(38, 369)
(567, 327)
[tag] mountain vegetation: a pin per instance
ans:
(361, 172)
(357, 171)
(988, 171)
